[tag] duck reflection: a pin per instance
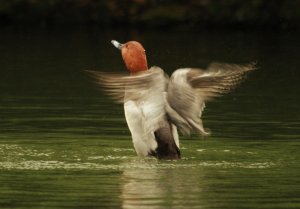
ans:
(154, 184)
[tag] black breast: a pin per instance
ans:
(166, 146)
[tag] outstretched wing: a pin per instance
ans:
(190, 88)
(135, 87)
(144, 91)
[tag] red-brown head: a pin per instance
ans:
(133, 54)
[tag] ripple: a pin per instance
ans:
(14, 157)
(53, 165)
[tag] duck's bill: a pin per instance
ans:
(117, 44)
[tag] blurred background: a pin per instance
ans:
(189, 14)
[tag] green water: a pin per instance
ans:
(63, 144)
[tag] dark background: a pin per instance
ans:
(189, 14)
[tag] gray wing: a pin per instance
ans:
(136, 87)
(190, 88)
(145, 90)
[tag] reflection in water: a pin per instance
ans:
(142, 189)
(151, 186)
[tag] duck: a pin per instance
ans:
(158, 106)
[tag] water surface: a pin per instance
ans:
(63, 144)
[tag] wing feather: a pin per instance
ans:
(218, 79)
(190, 88)
(134, 86)
(145, 90)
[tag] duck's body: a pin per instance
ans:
(151, 130)
(162, 142)
(156, 105)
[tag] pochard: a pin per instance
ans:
(157, 105)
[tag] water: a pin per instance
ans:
(63, 144)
